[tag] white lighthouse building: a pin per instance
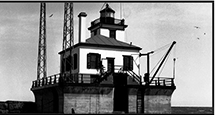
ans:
(105, 51)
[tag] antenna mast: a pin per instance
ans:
(68, 25)
(41, 68)
(68, 40)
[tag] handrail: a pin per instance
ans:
(134, 75)
(162, 81)
(53, 79)
(116, 21)
(118, 68)
(103, 77)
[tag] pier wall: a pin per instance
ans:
(88, 100)
(132, 103)
(157, 104)
(45, 102)
(49, 100)
(132, 100)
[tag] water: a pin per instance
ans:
(192, 110)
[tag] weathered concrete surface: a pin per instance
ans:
(87, 89)
(88, 102)
(106, 103)
(49, 100)
(157, 104)
(88, 98)
(132, 100)
(44, 102)
(157, 100)
(159, 90)
(132, 104)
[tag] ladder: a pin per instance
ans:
(139, 102)
(98, 101)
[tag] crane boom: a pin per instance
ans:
(174, 42)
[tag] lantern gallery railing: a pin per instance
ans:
(115, 21)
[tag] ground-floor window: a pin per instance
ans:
(127, 63)
(93, 60)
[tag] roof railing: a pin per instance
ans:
(162, 81)
(50, 80)
(84, 78)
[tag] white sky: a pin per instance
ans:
(150, 26)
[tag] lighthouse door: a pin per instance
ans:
(110, 65)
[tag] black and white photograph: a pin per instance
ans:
(107, 57)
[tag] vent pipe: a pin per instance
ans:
(82, 26)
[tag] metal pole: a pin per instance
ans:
(148, 67)
(174, 68)
(148, 63)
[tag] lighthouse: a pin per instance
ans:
(101, 75)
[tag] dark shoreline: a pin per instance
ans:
(191, 110)
(4, 108)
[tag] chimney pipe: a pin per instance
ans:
(82, 26)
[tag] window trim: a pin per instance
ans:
(97, 61)
(127, 62)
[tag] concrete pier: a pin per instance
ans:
(102, 98)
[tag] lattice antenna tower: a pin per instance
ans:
(68, 40)
(41, 67)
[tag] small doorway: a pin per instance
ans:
(120, 92)
(110, 65)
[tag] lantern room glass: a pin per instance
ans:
(107, 14)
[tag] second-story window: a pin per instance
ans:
(93, 60)
(113, 34)
(127, 63)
